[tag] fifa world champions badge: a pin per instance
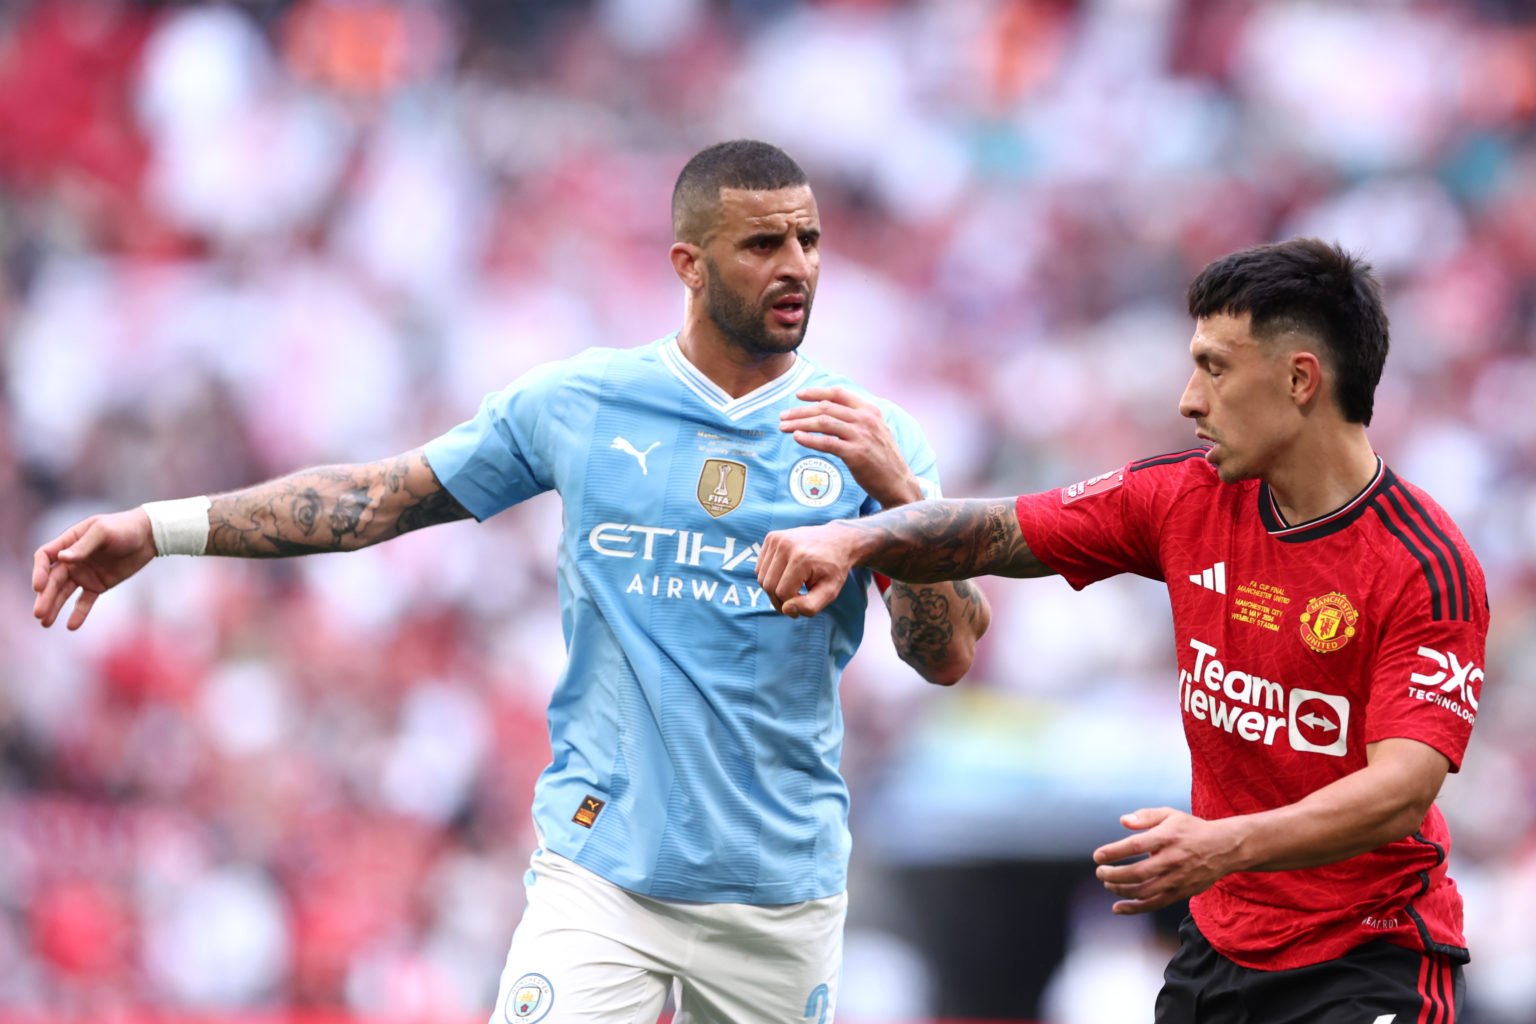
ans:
(722, 483)
(1328, 622)
(529, 1000)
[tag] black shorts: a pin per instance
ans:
(1377, 983)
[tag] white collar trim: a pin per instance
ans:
(716, 397)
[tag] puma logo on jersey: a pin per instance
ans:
(587, 813)
(623, 445)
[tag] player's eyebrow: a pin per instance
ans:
(759, 237)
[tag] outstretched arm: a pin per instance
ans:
(924, 542)
(333, 508)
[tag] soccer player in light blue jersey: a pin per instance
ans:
(693, 821)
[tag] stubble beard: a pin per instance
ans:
(744, 324)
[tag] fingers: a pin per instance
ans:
(835, 411)
(770, 566)
(1124, 849)
(784, 570)
(83, 606)
(777, 572)
(56, 590)
(816, 597)
(1126, 876)
(81, 549)
(1126, 907)
(827, 419)
(45, 557)
(1147, 817)
(835, 395)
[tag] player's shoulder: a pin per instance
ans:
(1186, 472)
(1425, 541)
(588, 368)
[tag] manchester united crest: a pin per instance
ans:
(722, 482)
(1328, 622)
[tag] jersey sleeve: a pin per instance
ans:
(1428, 677)
(1108, 524)
(501, 456)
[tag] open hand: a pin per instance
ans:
(1185, 855)
(90, 557)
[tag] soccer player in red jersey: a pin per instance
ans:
(1329, 620)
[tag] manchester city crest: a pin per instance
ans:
(529, 1000)
(815, 483)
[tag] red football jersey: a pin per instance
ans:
(1297, 646)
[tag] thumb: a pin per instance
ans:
(83, 548)
(817, 596)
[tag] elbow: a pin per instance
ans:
(948, 669)
(1410, 816)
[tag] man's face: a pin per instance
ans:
(1240, 396)
(761, 263)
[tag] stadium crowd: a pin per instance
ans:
(240, 238)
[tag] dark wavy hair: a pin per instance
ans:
(1309, 287)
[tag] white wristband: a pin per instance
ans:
(180, 526)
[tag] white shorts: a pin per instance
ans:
(588, 952)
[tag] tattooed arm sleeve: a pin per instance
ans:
(331, 508)
(929, 541)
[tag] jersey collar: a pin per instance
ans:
(1322, 526)
(716, 397)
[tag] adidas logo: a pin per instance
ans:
(1214, 578)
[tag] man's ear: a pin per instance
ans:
(688, 262)
(1306, 377)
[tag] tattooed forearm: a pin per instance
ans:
(935, 626)
(920, 621)
(931, 541)
(332, 508)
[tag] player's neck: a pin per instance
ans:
(1322, 473)
(734, 370)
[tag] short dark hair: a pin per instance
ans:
(740, 163)
(1310, 287)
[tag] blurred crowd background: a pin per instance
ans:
(240, 238)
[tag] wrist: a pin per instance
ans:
(863, 544)
(1241, 849)
(180, 526)
(910, 490)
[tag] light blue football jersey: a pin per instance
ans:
(696, 732)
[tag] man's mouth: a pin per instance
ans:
(789, 310)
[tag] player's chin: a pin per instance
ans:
(1230, 470)
(782, 339)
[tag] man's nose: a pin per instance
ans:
(796, 263)
(1192, 403)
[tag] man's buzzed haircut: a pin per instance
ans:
(1314, 288)
(740, 163)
